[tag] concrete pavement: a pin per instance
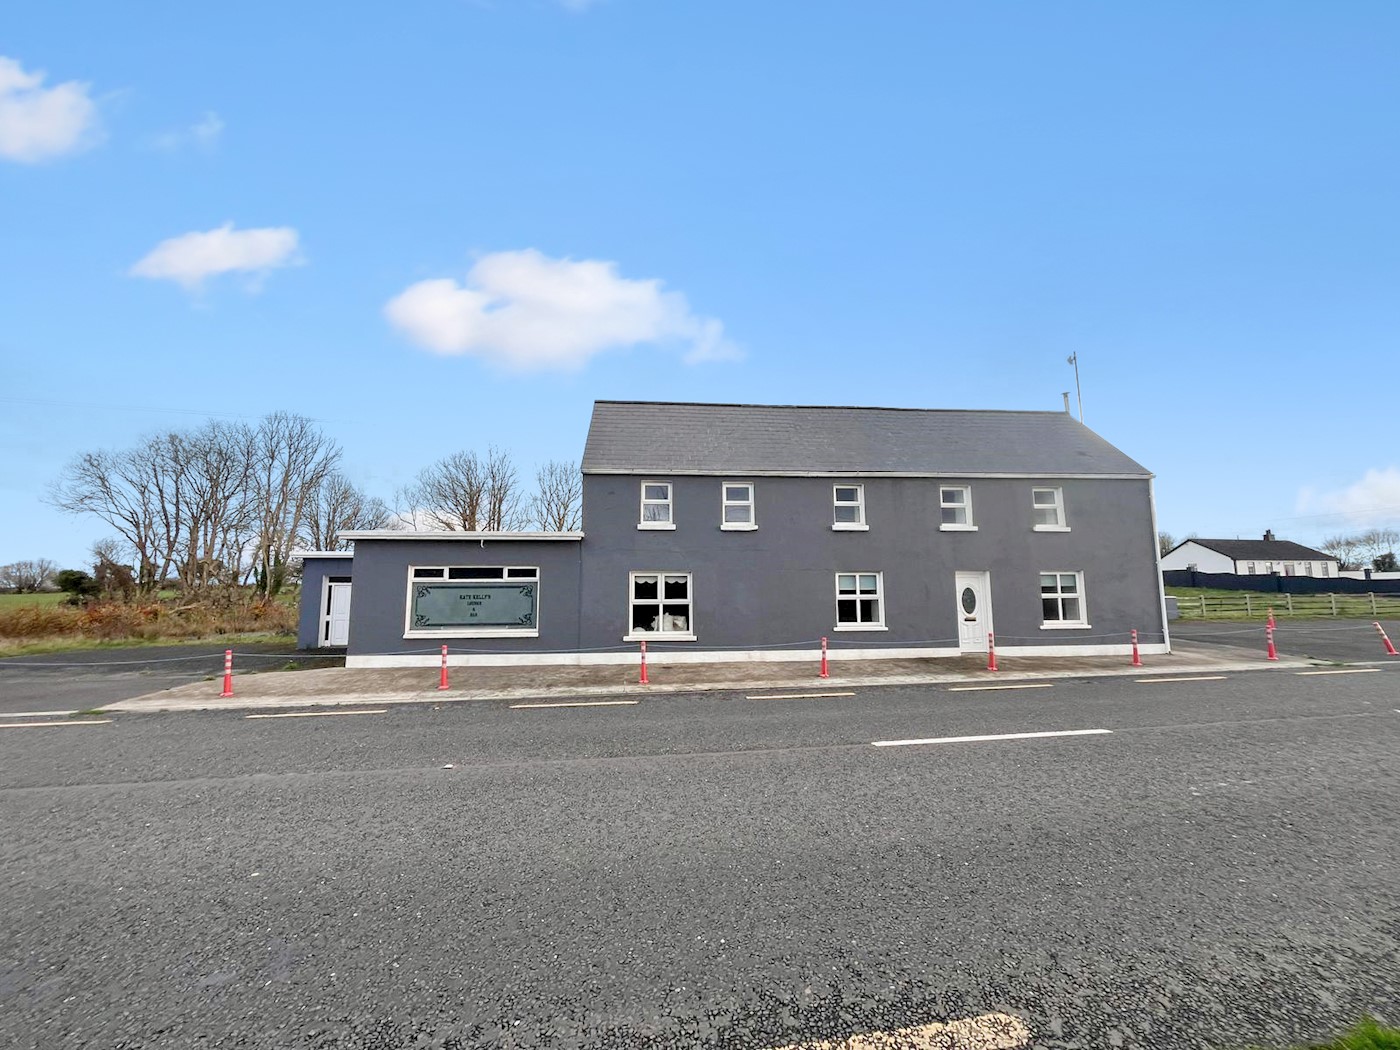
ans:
(419, 685)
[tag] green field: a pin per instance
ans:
(16, 601)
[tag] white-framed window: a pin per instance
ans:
(660, 606)
(955, 508)
(848, 507)
(472, 601)
(736, 512)
(1048, 510)
(1062, 600)
(1251, 569)
(656, 506)
(860, 601)
(1324, 569)
(1310, 568)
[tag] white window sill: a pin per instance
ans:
(472, 632)
(849, 526)
(957, 528)
(659, 636)
(860, 627)
(656, 526)
(736, 527)
(1066, 627)
(1049, 528)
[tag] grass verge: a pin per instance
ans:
(1366, 1034)
(69, 645)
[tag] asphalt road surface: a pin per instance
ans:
(1345, 641)
(80, 681)
(1218, 869)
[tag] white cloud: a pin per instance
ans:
(203, 134)
(1374, 500)
(192, 258)
(527, 312)
(38, 123)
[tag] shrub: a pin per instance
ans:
(109, 620)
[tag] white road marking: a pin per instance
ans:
(985, 688)
(1351, 670)
(66, 722)
(322, 714)
(995, 736)
(996, 1031)
(581, 703)
(1194, 678)
(39, 714)
(797, 696)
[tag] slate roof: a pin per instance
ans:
(1262, 550)
(658, 437)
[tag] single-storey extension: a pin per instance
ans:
(723, 532)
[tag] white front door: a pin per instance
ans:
(974, 610)
(338, 613)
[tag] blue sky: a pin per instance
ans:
(442, 224)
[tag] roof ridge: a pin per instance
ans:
(837, 408)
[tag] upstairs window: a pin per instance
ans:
(848, 507)
(955, 508)
(656, 506)
(1048, 509)
(736, 506)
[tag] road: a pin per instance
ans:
(709, 870)
(1344, 641)
(87, 679)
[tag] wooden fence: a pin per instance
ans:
(1246, 606)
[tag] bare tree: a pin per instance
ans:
(337, 505)
(27, 577)
(1165, 542)
(449, 495)
(119, 488)
(465, 493)
(110, 574)
(216, 465)
(505, 510)
(1374, 544)
(290, 460)
(558, 505)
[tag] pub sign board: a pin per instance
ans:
(508, 604)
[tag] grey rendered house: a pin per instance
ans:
(723, 532)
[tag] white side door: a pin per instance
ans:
(974, 610)
(338, 613)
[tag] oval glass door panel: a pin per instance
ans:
(969, 600)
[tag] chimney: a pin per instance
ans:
(1269, 535)
(1066, 393)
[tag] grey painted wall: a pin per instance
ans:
(777, 585)
(381, 593)
(314, 572)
